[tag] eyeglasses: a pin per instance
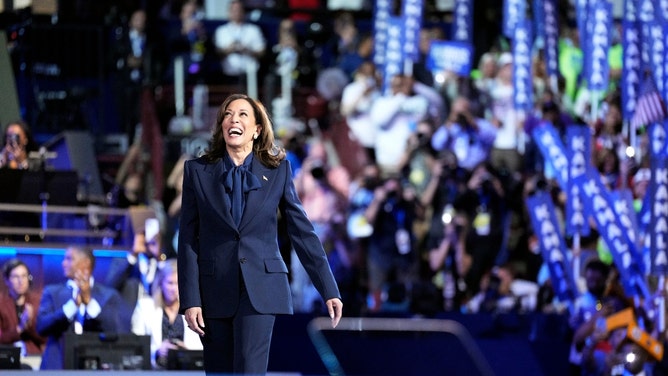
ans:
(20, 276)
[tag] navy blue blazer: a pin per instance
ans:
(52, 322)
(214, 254)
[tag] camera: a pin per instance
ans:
(318, 170)
(448, 214)
(462, 120)
(13, 139)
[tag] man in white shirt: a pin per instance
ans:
(395, 116)
(239, 44)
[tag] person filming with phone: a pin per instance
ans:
(18, 144)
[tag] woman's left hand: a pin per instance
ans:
(335, 309)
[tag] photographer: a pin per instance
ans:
(18, 144)
(482, 203)
(392, 259)
(469, 137)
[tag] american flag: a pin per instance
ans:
(649, 108)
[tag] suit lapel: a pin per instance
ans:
(211, 181)
(257, 198)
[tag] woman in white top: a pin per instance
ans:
(158, 317)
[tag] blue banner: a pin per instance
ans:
(553, 151)
(522, 78)
(538, 12)
(622, 200)
(630, 10)
(412, 15)
(551, 38)
(599, 71)
(662, 10)
(381, 17)
(659, 216)
(394, 51)
(578, 144)
(646, 15)
(552, 245)
(450, 56)
(657, 53)
(600, 206)
(631, 68)
(514, 11)
(658, 134)
(581, 18)
(462, 22)
(665, 64)
(657, 149)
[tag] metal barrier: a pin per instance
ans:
(318, 325)
(92, 211)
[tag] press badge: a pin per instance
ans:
(482, 222)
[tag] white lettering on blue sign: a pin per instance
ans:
(549, 235)
(606, 221)
(555, 154)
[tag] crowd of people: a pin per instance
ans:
(432, 218)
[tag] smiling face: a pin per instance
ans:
(18, 281)
(74, 261)
(170, 288)
(240, 127)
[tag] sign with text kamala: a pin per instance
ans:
(450, 56)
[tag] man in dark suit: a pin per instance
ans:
(138, 57)
(78, 305)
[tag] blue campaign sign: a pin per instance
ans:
(381, 20)
(553, 150)
(551, 38)
(631, 69)
(657, 52)
(599, 46)
(659, 216)
(412, 17)
(600, 206)
(513, 12)
(450, 56)
(552, 245)
(462, 24)
(522, 78)
(578, 144)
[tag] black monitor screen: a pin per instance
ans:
(10, 357)
(27, 187)
(104, 351)
(185, 359)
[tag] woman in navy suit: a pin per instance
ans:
(232, 278)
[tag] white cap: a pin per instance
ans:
(505, 58)
(151, 228)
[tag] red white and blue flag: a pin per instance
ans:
(650, 107)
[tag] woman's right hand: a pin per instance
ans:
(195, 320)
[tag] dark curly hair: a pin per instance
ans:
(264, 147)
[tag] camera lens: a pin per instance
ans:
(318, 172)
(13, 139)
(448, 214)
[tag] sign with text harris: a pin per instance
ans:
(452, 56)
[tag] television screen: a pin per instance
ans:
(10, 357)
(107, 351)
(185, 360)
